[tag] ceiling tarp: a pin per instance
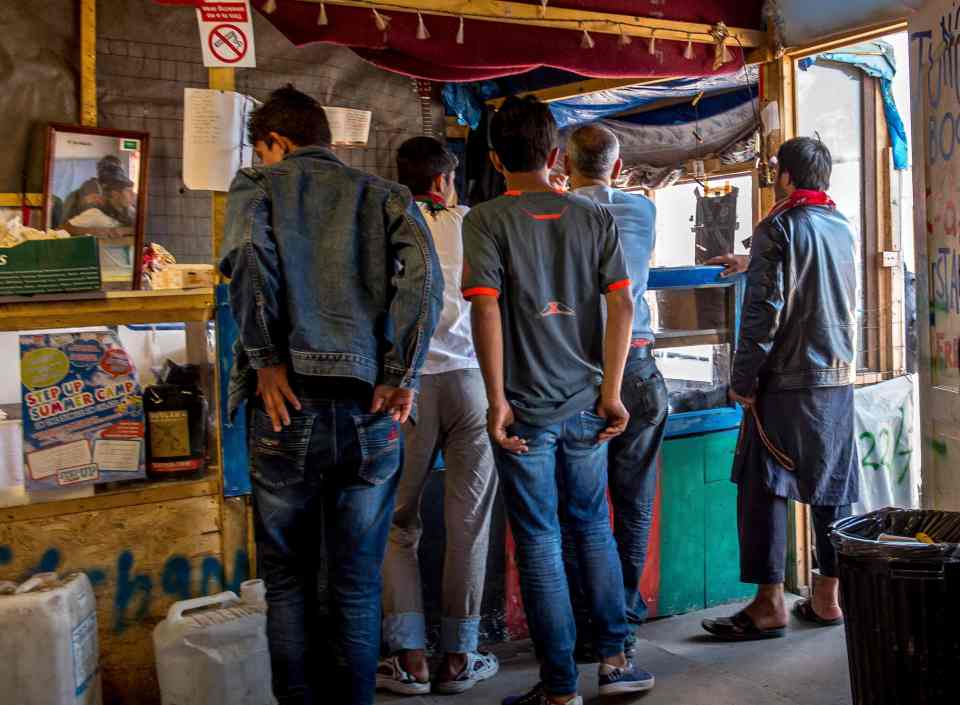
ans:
(602, 104)
(802, 22)
(489, 49)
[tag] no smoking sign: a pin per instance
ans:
(226, 34)
(228, 43)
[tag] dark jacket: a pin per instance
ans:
(799, 322)
(332, 270)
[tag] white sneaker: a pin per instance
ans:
(480, 666)
(392, 677)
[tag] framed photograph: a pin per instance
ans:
(95, 183)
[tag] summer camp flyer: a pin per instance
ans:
(82, 410)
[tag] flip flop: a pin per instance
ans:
(740, 627)
(804, 611)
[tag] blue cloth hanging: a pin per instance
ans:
(875, 59)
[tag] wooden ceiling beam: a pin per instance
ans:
(563, 18)
(582, 88)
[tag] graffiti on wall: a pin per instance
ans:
(135, 590)
(935, 49)
(888, 448)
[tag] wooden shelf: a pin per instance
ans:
(103, 308)
(122, 497)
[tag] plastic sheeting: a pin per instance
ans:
(801, 22)
(876, 59)
(888, 441)
(605, 104)
(656, 151)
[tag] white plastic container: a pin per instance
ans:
(213, 650)
(49, 653)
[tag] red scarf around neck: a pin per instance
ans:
(802, 197)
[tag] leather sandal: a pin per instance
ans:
(804, 611)
(740, 627)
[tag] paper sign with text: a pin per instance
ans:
(349, 127)
(226, 34)
(82, 410)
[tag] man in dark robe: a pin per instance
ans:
(793, 374)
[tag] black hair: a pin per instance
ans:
(808, 162)
(422, 159)
(290, 113)
(523, 133)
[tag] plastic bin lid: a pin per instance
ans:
(859, 536)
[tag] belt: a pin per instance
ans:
(640, 349)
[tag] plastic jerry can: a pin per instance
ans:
(213, 650)
(49, 653)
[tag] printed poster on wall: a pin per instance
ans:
(82, 410)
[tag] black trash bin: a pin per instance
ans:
(901, 603)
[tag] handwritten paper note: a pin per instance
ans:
(215, 141)
(349, 127)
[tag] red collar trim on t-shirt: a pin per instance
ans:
(516, 192)
(434, 198)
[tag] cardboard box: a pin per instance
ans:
(50, 266)
(184, 276)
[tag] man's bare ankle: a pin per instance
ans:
(617, 661)
(453, 663)
(414, 662)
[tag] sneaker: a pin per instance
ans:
(629, 679)
(480, 667)
(537, 697)
(392, 677)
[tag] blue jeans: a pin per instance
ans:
(633, 485)
(564, 474)
(331, 474)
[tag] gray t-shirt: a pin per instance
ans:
(550, 258)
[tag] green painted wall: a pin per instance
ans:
(699, 564)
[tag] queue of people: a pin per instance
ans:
(381, 324)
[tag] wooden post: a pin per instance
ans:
(235, 515)
(223, 80)
(88, 63)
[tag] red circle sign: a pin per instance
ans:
(227, 43)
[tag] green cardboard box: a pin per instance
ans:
(50, 266)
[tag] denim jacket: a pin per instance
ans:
(332, 271)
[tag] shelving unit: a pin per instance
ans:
(103, 308)
(143, 544)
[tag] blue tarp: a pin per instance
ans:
(686, 113)
(465, 100)
(608, 104)
(875, 59)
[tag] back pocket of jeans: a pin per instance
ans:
(647, 400)
(379, 437)
(279, 458)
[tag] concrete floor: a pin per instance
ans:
(808, 667)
